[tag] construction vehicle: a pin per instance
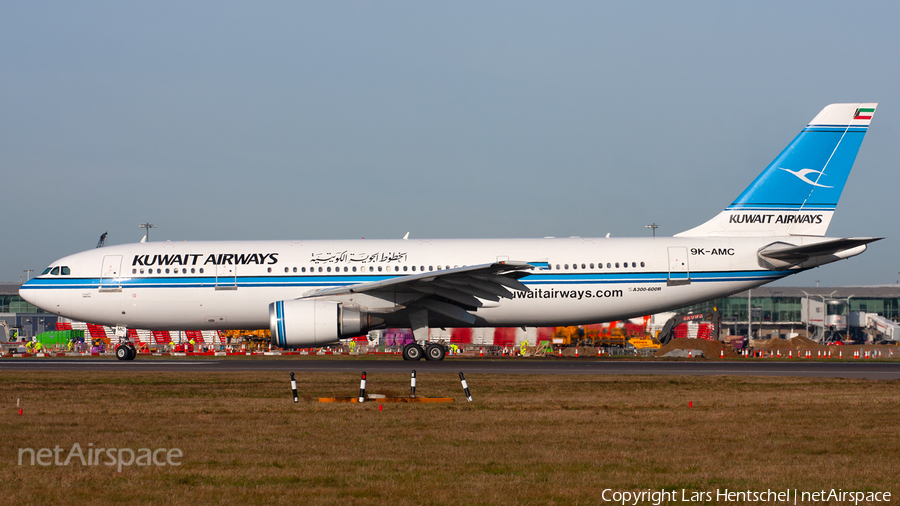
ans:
(713, 317)
(251, 339)
(568, 336)
(644, 343)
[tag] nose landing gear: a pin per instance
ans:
(126, 351)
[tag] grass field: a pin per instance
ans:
(524, 439)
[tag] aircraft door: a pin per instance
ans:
(679, 273)
(226, 277)
(111, 272)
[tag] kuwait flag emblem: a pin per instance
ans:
(863, 113)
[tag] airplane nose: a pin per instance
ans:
(30, 293)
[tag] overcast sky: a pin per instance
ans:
(266, 120)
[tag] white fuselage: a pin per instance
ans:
(230, 284)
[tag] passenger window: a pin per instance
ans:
(430, 268)
(404, 268)
(566, 266)
(633, 264)
(328, 269)
(55, 271)
(142, 270)
(617, 265)
(159, 271)
(134, 271)
(574, 266)
(414, 268)
(320, 269)
(642, 264)
(192, 270)
(371, 269)
(269, 269)
(396, 268)
(609, 265)
(167, 270)
(354, 269)
(582, 266)
(592, 266)
(557, 266)
(345, 269)
(599, 266)
(201, 270)
(379, 268)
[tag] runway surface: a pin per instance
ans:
(865, 370)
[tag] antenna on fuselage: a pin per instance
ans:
(147, 226)
(102, 242)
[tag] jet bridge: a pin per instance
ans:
(874, 327)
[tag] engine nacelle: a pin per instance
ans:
(314, 323)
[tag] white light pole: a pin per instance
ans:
(653, 226)
(147, 226)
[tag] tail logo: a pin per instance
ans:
(802, 173)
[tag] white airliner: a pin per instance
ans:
(313, 293)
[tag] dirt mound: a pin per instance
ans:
(803, 342)
(583, 351)
(774, 344)
(710, 349)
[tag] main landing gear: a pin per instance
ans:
(431, 351)
(126, 351)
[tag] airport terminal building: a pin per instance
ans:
(771, 311)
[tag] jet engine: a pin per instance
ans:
(312, 323)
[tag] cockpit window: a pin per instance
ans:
(65, 271)
(46, 270)
(55, 271)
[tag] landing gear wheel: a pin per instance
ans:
(435, 352)
(122, 352)
(413, 351)
(132, 351)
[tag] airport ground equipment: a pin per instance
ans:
(5, 335)
(826, 317)
(713, 317)
(873, 327)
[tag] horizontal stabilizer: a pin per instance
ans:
(782, 255)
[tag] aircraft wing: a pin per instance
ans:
(449, 292)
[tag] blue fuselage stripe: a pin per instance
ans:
(322, 281)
